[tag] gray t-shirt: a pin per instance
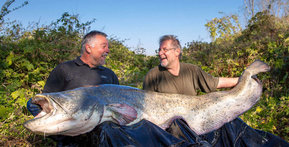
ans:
(190, 79)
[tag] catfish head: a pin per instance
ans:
(68, 113)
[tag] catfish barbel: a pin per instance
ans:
(80, 110)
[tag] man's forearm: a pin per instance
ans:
(227, 82)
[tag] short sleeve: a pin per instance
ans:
(55, 81)
(206, 82)
(114, 78)
(149, 81)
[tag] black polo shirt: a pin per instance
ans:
(75, 73)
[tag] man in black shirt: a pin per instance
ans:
(76, 73)
(85, 70)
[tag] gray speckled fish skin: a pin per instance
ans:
(78, 111)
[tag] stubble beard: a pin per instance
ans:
(100, 60)
(164, 64)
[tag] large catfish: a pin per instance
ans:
(78, 111)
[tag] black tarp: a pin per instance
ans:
(146, 134)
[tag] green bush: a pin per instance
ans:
(28, 56)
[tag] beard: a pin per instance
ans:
(164, 62)
(100, 60)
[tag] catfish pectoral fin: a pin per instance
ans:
(123, 113)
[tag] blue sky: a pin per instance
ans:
(139, 22)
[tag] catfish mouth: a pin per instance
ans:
(44, 103)
(256, 79)
(49, 121)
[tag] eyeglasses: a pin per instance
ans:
(166, 49)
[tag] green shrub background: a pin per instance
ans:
(28, 56)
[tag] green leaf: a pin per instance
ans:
(9, 59)
(41, 83)
(286, 40)
(18, 93)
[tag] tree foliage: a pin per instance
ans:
(223, 27)
(5, 9)
(277, 8)
(265, 38)
(28, 56)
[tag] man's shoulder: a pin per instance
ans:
(104, 68)
(156, 69)
(155, 72)
(66, 64)
(189, 65)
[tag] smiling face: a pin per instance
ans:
(168, 54)
(98, 50)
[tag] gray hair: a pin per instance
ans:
(173, 38)
(89, 37)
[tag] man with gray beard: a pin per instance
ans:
(173, 76)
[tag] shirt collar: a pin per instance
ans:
(162, 68)
(79, 62)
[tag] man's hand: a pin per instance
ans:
(34, 109)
